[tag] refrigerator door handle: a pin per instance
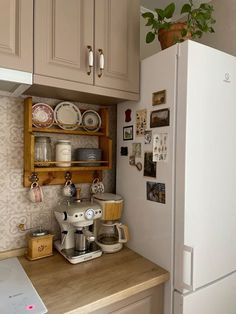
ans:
(188, 268)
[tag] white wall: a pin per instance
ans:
(147, 50)
(225, 28)
(225, 31)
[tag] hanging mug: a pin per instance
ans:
(97, 186)
(69, 189)
(35, 193)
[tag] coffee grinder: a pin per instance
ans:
(111, 232)
(76, 218)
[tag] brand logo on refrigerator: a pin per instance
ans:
(227, 78)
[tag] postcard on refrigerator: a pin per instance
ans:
(160, 147)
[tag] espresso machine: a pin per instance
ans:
(111, 233)
(76, 219)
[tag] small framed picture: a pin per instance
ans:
(156, 192)
(159, 98)
(147, 136)
(159, 118)
(136, 149)
(149, 165)
(127, 133)
(141, 122)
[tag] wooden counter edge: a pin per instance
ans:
(121, 295)
(12, 253)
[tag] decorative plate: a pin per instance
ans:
(42, 115)
(67, 115)
(91, 121)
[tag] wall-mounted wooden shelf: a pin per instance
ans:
(54, 174)
(61, 131)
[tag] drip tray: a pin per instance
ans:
(72, 253)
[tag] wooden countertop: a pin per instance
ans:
(80, 288)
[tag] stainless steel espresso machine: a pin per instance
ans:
(76, 219)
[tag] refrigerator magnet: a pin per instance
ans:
(141, 122)
(156, 192)
(160, 147)
(124, 151)
(149, 165)
(147, 136)
(136, 149)
(160, 118)
(128, 115)
(127, 133)
(159, 98)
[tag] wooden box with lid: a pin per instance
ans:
(39, 245)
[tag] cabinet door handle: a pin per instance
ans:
(90, 59)
(101, 62)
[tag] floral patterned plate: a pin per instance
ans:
(42, 115)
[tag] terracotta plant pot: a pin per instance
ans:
(169, 37)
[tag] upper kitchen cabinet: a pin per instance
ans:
(117, 44)
(16, 34)
(87, 47)
(63, 37)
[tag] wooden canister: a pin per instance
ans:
(112, 205)
(39, 245)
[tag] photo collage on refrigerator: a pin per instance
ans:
(143, 135)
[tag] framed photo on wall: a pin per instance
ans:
(156, 192)
(127, 133)
(159, 118)
(149, 165)
(159, 98)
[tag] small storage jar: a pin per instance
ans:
(63, 153)
(43, 150)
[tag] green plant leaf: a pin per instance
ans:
(165, 25)
(149, 22)
(200, 18)
(211, 30)
(184, 32)
(205, 6)
(150, 37)
(199, 34)
(169, 10)
(161, 14)
(186, 8)
(148, 15)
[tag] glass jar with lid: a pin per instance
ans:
(43, 150)
(63, 153)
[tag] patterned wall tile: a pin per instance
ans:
(15, 206)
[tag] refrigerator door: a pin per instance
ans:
(218, 298)
(205, 220)
(150, 222)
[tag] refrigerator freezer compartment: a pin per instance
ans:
(217, 298)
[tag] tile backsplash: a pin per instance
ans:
(15, 206)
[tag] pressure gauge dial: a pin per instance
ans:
(89, 214)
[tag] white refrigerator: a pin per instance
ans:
(192, 233)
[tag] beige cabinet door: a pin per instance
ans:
(146, 302)
(117, 35)
(63, 32)
(16, 34)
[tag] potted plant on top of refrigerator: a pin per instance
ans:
(197, 21)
